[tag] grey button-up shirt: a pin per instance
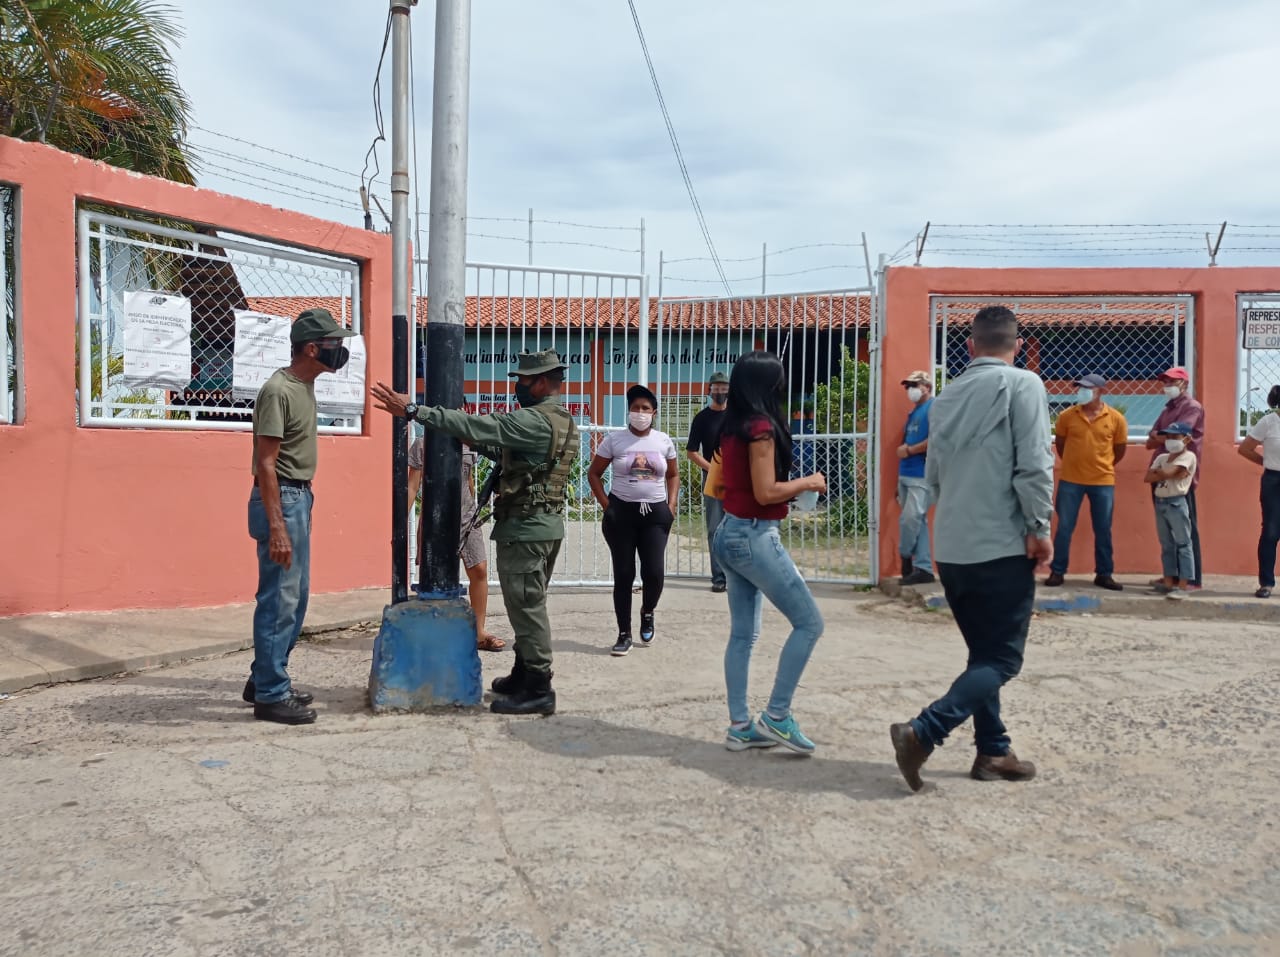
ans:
(990, 467)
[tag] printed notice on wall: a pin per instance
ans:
(157, 340)
(1262, 328)
(341, 393)
(261, 347)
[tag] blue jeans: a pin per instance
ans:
(1173, 526)
(713, 512)
(992, 603)
(282, 593)
(1102, 499)
(913, 523)
(756, 567)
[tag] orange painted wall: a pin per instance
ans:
(1228, 494)
(115, 518)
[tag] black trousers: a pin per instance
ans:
(1270, 529)
(628, 533)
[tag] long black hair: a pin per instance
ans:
(1273, 398)
(757, 386)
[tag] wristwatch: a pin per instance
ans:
(411, 411)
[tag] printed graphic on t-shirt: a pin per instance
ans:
(638, 469)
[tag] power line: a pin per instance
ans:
(381, 136)
(675, 145)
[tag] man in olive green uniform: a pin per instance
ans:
(535, 447)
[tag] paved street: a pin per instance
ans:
(149, 814)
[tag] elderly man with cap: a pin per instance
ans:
(704, 437)
(284, 463)
(1091, 438)
(535, 447)
(1181, 407)
(913, 490)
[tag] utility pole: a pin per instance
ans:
(400, 293)
(446, 295)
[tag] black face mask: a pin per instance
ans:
(719, 399)
(524, 395)
(333, 357)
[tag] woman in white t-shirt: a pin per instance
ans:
(639, 509)
(1266, 433)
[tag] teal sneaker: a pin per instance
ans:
(786, 733)
(748, 737)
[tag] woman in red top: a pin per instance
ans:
(755, 451)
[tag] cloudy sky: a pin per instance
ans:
(801, 122)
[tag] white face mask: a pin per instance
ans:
(1172, 391)
(1174, 445)
(640, 421)
(1084, 396)
(915, 393)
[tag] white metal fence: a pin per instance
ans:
(218, 273)
(1128, 340)
(1258, 368)
(10, 335)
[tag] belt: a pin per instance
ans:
(291, 483)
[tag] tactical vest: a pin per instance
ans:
(525, 487)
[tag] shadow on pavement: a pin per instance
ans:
(577, 737)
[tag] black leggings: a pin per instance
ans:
(1270, 529)
(627, 532)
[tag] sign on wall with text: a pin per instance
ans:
(157, 340)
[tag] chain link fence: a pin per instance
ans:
(176, 371)
(1128, 341)
(1258, 368)
(10, 355)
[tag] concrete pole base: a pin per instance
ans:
(425, 657)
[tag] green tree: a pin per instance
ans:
(96, 78)
(843, 403)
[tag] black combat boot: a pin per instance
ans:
(512, 683)
(907, 567)
(534, 697)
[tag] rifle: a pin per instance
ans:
(479, 516)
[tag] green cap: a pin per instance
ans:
(537, 363)
(313, 324)
(718, 378)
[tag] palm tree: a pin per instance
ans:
(96, 78)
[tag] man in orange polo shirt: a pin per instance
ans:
(1091, 438)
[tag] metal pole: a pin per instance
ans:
(446, 295)
(642, 245)
(530, 235)
(400, 266)
(764, 267)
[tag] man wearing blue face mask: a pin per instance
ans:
(1091, 440)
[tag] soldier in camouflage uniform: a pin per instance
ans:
(535, 446)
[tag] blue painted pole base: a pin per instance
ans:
(425, 657)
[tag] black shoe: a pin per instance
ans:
(534, 697)
(919, 577)
(512, 683)
(907, 567)
(250, 694)
(646, 627)
(719, 587)
(1054, 580)
(288, 711)
(622, 645)
(1107, 582)
(1262, 592)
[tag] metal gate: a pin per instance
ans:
(828, 342)
(1128, 340)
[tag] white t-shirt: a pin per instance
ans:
(639, 464)
(1267, 432)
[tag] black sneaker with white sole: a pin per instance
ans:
(646, 627)
(622, 645)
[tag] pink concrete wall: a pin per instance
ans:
(96, 519)
(1228, 494)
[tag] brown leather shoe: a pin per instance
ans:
(1054, 580)
(1107, 582)
(1006, 767)
(910, 753)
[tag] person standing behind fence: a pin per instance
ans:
(1170, 478)
(1181, 407)
(1266, 434)
(1091, 438)
(913, 491)
(991, 472)
(639, 510)
(755, 454)
(704, 432)
(284, 463)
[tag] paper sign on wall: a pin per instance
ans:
(342, 392)
(261, 347)
(157, 340)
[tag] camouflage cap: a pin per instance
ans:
(537, 363)
(718, 378)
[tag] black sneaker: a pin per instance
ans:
(622, 645)
(288, 711)
(646, 627)
(919, 576)
(250, 694)
(719, 588)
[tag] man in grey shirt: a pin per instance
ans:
(991, 472)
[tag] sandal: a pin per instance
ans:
(490, 643)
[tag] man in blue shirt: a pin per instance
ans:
(913, 491)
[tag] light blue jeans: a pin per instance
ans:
(1173, 526)
(713, 512)
(913, 523)
(282, 593)
(756, 567)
